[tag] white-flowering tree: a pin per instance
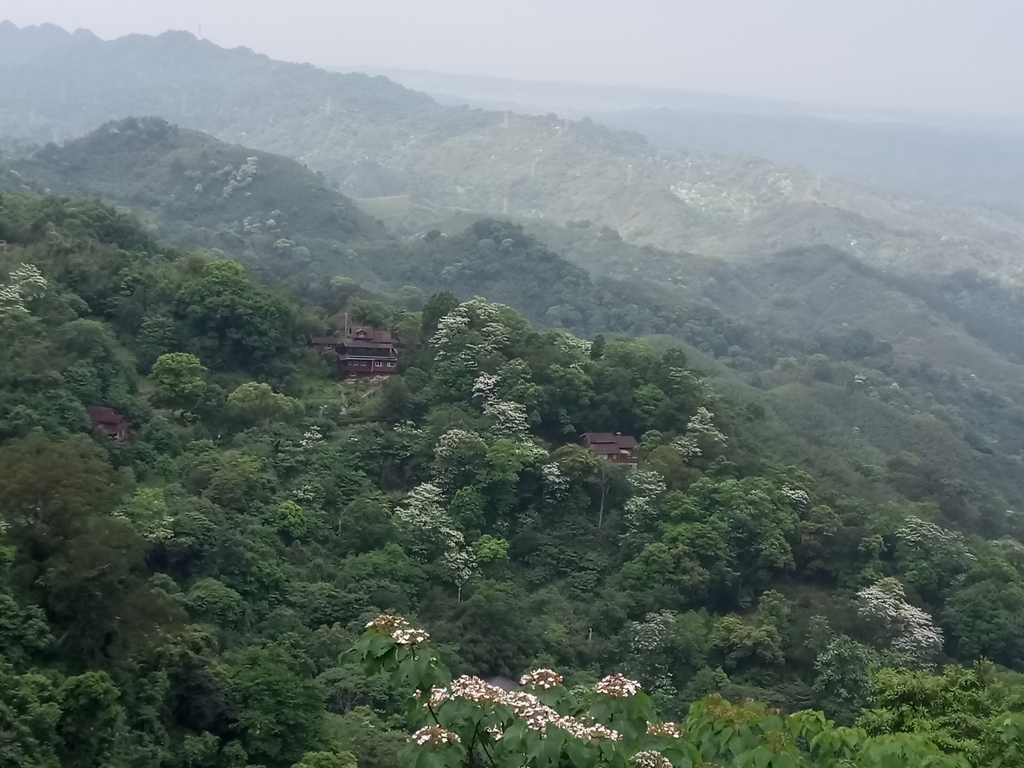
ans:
(648, 660)
(556, 484)
(701, 434)
(640, 511)
(458, 455)
(23, 284)
(426, 522)
(932, 559)
(907, 631)
(430, 529)
(453, 338)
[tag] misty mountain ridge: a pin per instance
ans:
(376, 138)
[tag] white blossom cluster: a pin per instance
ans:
(407, 428)
(573, 345)
(647, 483)
(928, 536)
(646, 649)
(479, 313)
(460, 565)
(700, 425)
(537, 715)
(485, 388)
(450, 446)
(241, 178)
(423, 517)
(434, 737)
(24, 283)
(399, 630)
(312, 436)
(639, 509)
(410, 638)
(648, 636)
(651, 759)
(545, 679)
(387, 623)
(617, 686)
(665, 730)
(308, 494)
(253, 225)
(555, 483)
(798, 496)
(510, 419)
(914, 634)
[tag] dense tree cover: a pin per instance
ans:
(182, 600)
(467, 721)
(925, 401)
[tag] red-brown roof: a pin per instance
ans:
(611, 440)
(364, 334)
(100, 415)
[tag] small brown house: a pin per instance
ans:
(614, 446)
(108, 422)
(366, 352)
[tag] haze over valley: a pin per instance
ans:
(724, 393)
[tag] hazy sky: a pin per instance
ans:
(953, 55)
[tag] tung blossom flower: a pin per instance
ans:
(388, 623)
(617, 686)
(410, 638)
(545, 679)
(434, 737)
(651, 759)
(664, 730)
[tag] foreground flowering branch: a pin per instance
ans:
(467, 722)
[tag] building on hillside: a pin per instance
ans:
(365, 352)
(614, 446)
(326, 344)
(111, 424)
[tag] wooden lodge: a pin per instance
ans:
(111, 424)
(613, 446)
(361, 353)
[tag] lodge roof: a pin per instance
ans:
(610, 442)
(364, 334)
(102, 415)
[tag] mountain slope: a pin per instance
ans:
(376, 138)
(203, 192)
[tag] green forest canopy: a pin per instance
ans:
(183, 599)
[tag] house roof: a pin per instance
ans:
(609, 441)
(366, 334)
(102, 415)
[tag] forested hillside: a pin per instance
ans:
(182, 599)
(861, 367)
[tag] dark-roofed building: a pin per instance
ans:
(108, 422)
(323, 344)
(365, 352)
(614, 446)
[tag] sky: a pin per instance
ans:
(939, 55)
